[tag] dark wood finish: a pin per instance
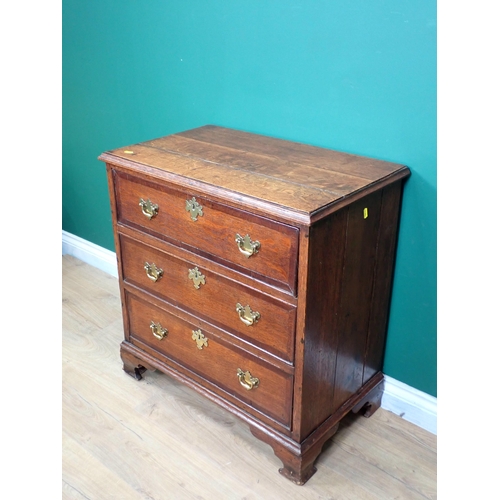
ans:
(134, 366)
(327, 223)
(383, 274)
(208, 263)
(224, 335)
(354, 304)
(279, 191)
(298, 458)
(370, 403)
(217, 362)
(215, 300)
(298, 466)
(179, 372)
(282, 169)
(300, 389)
(214, 233)
(277, 150)
(321, 338)
(112, 198)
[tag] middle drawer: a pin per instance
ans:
(256, 318)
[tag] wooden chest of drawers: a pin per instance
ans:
(258, 272)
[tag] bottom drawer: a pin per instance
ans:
(244, 376)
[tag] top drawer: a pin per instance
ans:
(260, 247)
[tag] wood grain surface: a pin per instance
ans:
(302, 178)
(217, 362)
(157, 439)
(213, 233)
(215, 300)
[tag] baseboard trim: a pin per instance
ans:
(409, 403)
(88, 252)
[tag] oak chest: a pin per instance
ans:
(258, 272)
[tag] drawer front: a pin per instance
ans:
(211, 297)
(214, 360)
(262, 248)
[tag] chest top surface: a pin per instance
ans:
(297, 181)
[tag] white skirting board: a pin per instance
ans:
(409, 403)
(88, 252)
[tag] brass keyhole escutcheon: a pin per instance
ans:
(246, 379)
(200, 339)
(153, 272)
(246, 314)
(197, 277)
(158, 331)
(149, 209)
(246, 246)
(194, 209)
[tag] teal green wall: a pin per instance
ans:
(358, 76)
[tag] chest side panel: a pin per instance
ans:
(321, 333)
(351, 256)
(383, 279)
(357, 287)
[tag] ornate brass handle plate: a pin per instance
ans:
(197, 277)
(246, 246)
(246, 379)
(153, 272)
(200, 339)
(246, 314)
(194, 208)
(158, 331)
(149, 209)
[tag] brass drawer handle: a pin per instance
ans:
(149, 209)
(246, 379)
(199, 338)
(153, 272)
(246, 246)
(158, 331)
(197, 277)
(194, 208)
(246, 314)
